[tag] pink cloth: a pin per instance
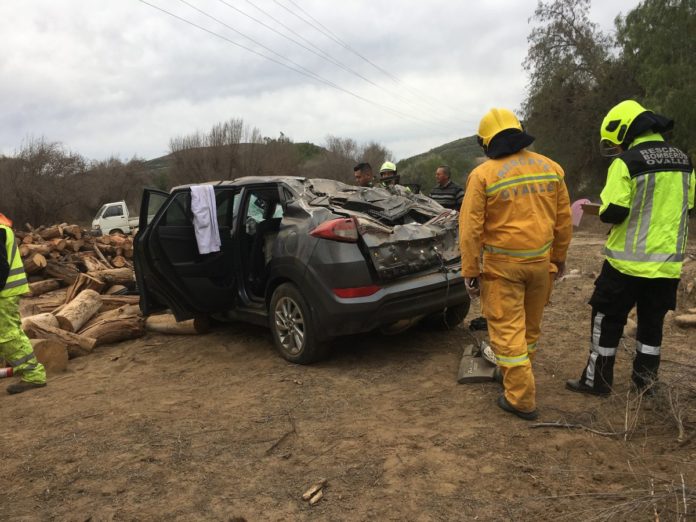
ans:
(576, 210)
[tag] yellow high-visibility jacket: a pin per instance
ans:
(515, 208)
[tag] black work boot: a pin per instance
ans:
(22, 386)
(601, 368)
(504, 405)
(578, 386)
(645, 368)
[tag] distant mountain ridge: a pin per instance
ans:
(461, 155)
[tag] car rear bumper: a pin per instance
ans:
(412, 296)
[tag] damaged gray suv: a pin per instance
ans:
(312, 259)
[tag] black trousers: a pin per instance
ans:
(614, 296)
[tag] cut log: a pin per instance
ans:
(630, 329)
(74, 244)
(78, 311)
(41, 287)
(113, 330)
(28, 239)
(118, 241)
(84, 282)
(109, 302)
(58, 244)
(51, 353)
(114, 289)
(26, 249)
(101, 256)
(34, 262)
(685, 320)
(51, 232)
(115, 276)
(65, 272)
(43, 319)
(119, 262)
(72, 231)
(76, 344)
(128, 310)
(92, 264)
(166, 323)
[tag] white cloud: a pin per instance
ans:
(123, 78)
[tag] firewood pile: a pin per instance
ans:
(81, 294)
(60, 255)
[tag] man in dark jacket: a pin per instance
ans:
(446, 192)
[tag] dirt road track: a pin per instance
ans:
(218, 426)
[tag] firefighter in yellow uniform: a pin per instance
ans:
(15, 347)
(516, 211)
(647, 197)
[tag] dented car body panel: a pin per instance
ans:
(362, 258)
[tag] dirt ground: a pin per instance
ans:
(219, 427)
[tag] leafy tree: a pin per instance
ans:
(341, 155)
(574, 79)
(658, 42)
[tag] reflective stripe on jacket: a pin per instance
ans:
(655, 181)
(515, 208)
(16, 283)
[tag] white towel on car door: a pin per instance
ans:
(205, 223)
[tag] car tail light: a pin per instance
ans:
(342, 229)
(358, 291)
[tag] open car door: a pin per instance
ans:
(170, 270)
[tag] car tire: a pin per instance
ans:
(452, 317)
(294, 332)
(116, 231)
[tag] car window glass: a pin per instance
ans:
(178, 211)
(235, 207)
(255, 208)
(154, 202)
(113, 211)
(223, 200)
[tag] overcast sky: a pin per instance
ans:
(121, 77)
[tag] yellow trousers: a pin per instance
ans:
(513, 296)
(15, 347)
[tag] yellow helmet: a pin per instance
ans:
(494, 122)
(387, 166)
(615, 125)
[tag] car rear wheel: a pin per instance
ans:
(292, 326)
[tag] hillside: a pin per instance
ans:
(459, 154)
(305, 151)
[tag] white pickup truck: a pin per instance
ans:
(114, 217)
